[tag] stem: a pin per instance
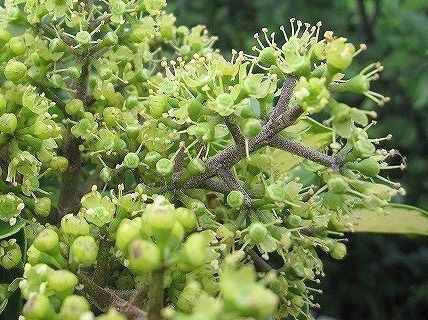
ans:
(102, 270)
(156, 296)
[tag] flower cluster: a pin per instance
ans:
(148, 168)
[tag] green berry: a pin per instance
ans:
(15, 71)
(17, 46)
(338, 185)
(74, 225)
(127, 231)
(74, 106)
(59, 164)
(8, 123)
(294, 220)
(268, 57)
(62, 281)
(84, 250)
(196, 166)
(144, 256)
(186, 217)
(106, 174)
(83, 37)
(151, 158)
(37, 307)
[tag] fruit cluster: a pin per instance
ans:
(147, 166)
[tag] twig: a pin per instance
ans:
(156, 295)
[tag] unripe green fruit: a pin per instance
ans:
(131, 160)
(164, 166)
(74, 106)
(62, 281)
(17, 46)
(84, 250)
(127, 231)
(74, 225)
(235, 199)
(8, 123)
(15, 71)
(37, 307)
(58, 164)
(73, 307)
(338, 251)
(42, 206)
(252, 127)
(257, 232)
(338, 185)
(83, 37)
(144, 256)
(46, 240)
(186, 218)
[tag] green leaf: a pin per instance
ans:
(308, 132)
(398, 218)
(6, 230)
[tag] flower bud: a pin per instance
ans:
(62, 281)
(73, 307)
(127, 231)
(268, 57)
(144, 256)
(257, 232)
(74, 225)
(46, 240)
(37, 307)
(337, 184)
(193, 253)
(151, 158)
(84, 250)
(338, 251)
(74, 106)
(58, 164)
(106, 174)
(17, 46)
(189, 297)
(186, 218)
(42, 206)
(15, 71)
(8, 123)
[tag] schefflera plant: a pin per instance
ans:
(146, 167)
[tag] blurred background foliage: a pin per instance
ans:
(383, 277)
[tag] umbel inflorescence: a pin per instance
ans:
(146, 166)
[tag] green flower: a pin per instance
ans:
(97, 209)
(312, 95)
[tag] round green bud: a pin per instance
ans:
(17, 46)
(11, 257)
(194, 253)
(257, 232)
(110, 39)
(144, 256)
(42, 206)
(74, 225)
(338, 251)
(131, 160)
(127, 231)
(46, 240)
(84, 250)
(73, 307)
(15, 71)
(37, 306)
(337, 184)
(118, 7)
(252, 127)
(8, 123)
(74, 106)
(74, 73)
(164, 166)
(186, 217)
(235, 199)
(62, 281)
(58, 164)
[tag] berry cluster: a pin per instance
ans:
(146, 165)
